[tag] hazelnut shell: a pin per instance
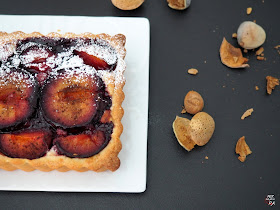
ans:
(179, 4)
(193, 102)
(201, 128)
(231, 56)
(180, 128)
(127, 4)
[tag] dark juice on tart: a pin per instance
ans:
(53, 97)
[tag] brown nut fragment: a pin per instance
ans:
(201, 128)
(180, 129)
(271, 83)
(179, 4)
(183, 111)
(193, 71)
(257, 87)
(127, 4)
(234, 35)
(249, 10)
(260, 51)
(247, 113)
(242, 149)
(231, 56)
(260, 58)
(193, 102)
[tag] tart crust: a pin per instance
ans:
(106, 159)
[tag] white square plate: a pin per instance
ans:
(131, 176)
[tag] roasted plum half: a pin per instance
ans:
(69, 99)
(25, 144)
(17, 98)
(81, 145)
(34, 58)
(94, 61)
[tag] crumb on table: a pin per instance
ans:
(260, 51)
(247, 113)
(260, 58)
(193, 71)
(249, 10)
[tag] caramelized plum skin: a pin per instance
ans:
(17, 102)
(81, 145)
(94, 61)
(68, 102)
(54, 111)
(28, 144)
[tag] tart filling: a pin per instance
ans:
(54, 98)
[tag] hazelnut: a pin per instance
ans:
(201, 128)
(250, 35)
(127, 4)
(193, 102)
(179, 4)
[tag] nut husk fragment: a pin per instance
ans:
(231, 56)
(271, 83)
(247, 113)
(180, 128)
(183, 110)
(242, 149)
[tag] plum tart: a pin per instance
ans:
(60, 101)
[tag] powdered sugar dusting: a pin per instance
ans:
(102, 50)
(80, 74)
(16, 78)
(6, 51)
(12, 58)
(32, 55)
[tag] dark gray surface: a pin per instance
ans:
(177, 179)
